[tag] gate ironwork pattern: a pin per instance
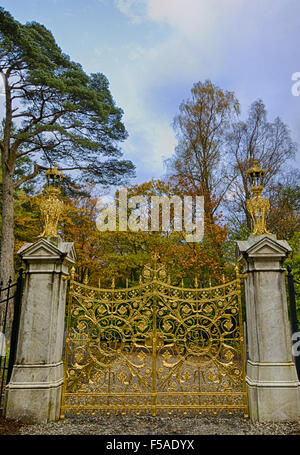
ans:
(154, 347)
(10, 309)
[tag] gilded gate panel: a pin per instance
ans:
(154, 347)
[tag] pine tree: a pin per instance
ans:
(54, 111)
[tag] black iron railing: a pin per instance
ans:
(10, 309)
(293, 312)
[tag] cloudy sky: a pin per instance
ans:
(153, 51)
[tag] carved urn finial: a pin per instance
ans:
(51, 205)
(257, 206)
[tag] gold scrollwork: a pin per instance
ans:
(154, 347)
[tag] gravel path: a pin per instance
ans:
(146, 425)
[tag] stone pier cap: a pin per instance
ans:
(263, 248)
(52, 250)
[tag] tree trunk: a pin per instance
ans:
(8, 160)
(7, 231)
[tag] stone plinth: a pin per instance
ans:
(34, 392)
(272, 382)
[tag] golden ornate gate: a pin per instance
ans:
(154, 347)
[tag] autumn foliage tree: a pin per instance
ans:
(201, 126)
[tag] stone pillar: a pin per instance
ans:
(33, 394)
(272, 383)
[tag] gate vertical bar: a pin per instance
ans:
(3, 358)
(15, 324)
(154, 351)
(242, 341)
(9, 327)
(69, 302)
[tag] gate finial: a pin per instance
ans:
(72, 273)
(86, 278)
(51, 206)
(257, 206)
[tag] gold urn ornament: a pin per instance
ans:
(257, 206)
(51, 205)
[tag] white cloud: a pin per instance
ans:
(202, 37)
(191, 18)
(194, 17)
(134, 9)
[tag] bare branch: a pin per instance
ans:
(36, 170)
